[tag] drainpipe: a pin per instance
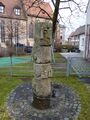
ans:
(86, 38)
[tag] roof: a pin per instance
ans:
(9, 9)
(41, 9)
(87, 5)
(78, 31)
(71, 35)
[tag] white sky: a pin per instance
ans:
(77, 19)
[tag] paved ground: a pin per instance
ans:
(64, 105)
(59, 66)
(71, 54)
(76, 63)
(85, 80)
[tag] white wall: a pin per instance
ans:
(88, 14)
(62, 33)
(82, 42)
(87, 32)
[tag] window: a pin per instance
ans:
(17, 11)
(16, 33)
(31, 30)
(2, 31)
(60, 37)
(82, 42)
(2, 8)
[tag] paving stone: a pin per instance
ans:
(64, 106)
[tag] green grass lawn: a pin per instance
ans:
(7, 84)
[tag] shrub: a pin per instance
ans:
(1, 54)
(65, 48)
(10, 47)
(57, 47)
(20, 51)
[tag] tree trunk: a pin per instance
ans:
(55, 16)
(54, 25)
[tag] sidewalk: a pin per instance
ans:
(76, 63)
(69, 54)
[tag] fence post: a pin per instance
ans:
(11, 69)
(68, 66)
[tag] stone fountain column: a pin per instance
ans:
(42, 67)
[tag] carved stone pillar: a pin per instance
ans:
(42, 67)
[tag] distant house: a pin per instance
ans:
(77, 38)
(87, 33)
(17, 20)
(71, 39)
(60, 34)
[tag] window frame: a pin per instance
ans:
(2, 31)
(31, 30)
(2, 8)
(16, 28)
(17, 11)
(82, 42)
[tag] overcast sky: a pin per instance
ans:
(77, 19)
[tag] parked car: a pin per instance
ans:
(28, 49)
(19, 45)
(75, 50)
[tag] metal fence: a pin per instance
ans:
(16, 66)
(78, 66)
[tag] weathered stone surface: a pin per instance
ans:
(42, 67)
(43, 70)
(45, 40)
(41, 87)
(44, 31)
(42, 54)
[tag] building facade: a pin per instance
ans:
(87, 33)
(60, 34)
(17, 20)
(12, 21)
(77, 38)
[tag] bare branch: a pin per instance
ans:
(65, 8)
(41, 9)
(33, 3)
(65, 1)
(61, 19)
(75, 2)
(58, 6)
(53, 2)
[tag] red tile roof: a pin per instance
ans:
(37, 10)
(43, 9)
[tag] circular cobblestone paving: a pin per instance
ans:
(65, 104)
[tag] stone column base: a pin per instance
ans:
(40, 102)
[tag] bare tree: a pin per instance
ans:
(72, 6)
(59, 7)
(15, 31)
